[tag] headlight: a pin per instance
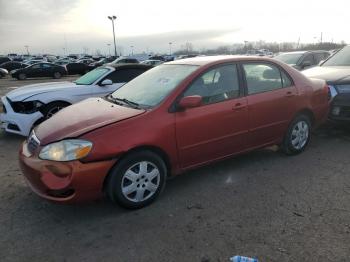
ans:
(343, 89)
(66, 150)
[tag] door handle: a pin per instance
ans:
(290, 94)
(238, 106)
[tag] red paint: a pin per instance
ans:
(189, 138)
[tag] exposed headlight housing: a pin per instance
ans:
(66, 150)
(27, 107)
(343, 88)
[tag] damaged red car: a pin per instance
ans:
(175, 117)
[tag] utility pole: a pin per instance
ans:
(132, 50)
(27, 48)
(170, 43)
(321, 38)
(112, 18)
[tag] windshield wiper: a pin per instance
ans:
(125, 101)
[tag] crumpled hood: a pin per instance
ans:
(81, 118)
(25, 92)
(332, 74)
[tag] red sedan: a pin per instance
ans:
(175, 117)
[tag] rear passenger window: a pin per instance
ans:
(262, 78)
(216, 85)
(124, 75)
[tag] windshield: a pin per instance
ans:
(92, 76)
(290, 59)
(150, 88)
(341, 58)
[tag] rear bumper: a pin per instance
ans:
(65, 182)
(340, 108)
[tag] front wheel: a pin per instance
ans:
(53, 108)
(137, 180)
(297, 136)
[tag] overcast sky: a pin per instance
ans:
(48, 26)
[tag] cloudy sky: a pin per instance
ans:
(48, 26)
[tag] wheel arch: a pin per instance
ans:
(157, 150)
(308, 112)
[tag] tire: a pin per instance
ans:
(22, 76)
(298, 135)
(57, 75)
(131, 188)
(53, 108)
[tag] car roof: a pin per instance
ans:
(131, 65)
(206, 60)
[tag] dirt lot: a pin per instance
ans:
(262, 204)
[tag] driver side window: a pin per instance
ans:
(216, 85)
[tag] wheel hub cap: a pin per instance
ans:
(300, 135)
(140, 181)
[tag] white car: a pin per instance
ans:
(27, 106)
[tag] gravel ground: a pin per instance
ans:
(262, 204)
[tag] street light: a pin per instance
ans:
(109, 49)
(27, 46)
(132, 50)
(112, 18)
(170, 43)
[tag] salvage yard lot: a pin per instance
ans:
(263, 204)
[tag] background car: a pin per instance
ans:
(303, 59)
(175, 117)
(12, 65)
(125, 60)
(27, 106)
(336, 71)
(39, 70)
(3, 72)
(4, 59)
(77, 68)
(152, 62)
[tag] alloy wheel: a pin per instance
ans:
(300, 134)
(140, 181)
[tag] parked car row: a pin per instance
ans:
(125, 140)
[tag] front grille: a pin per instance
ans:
(13, 127)
(33, 143)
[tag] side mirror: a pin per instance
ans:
(306, 64)
(106, 82)
(190, 102)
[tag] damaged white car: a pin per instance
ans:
(25, 107)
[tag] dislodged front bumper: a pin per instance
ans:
(340, 108)
(16, 123)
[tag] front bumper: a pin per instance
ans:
(340, 108)
(16, 123)
(67, 182)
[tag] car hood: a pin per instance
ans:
(25, 92)
(81, 118)
(332, 74)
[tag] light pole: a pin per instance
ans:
(112, 18)
(109, 49)
(170, 43)
(132, 50)
(27, 48)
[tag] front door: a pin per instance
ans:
(218, 127)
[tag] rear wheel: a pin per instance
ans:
(53, 108)
(22, 76)
(297, 136)
(137, 180)
(57, 75)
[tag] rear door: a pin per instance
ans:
(271, 97)
(218, 127)
(34, 71)
(47, 70)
